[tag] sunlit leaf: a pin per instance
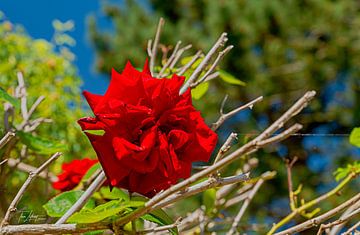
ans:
(209, 197)
(58, 205)
(227, 77)
(355, 137)
(103, 211)
(4, 96)
(40, 145)
(200, 90)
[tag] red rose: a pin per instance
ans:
(152, 134)
(73, 173)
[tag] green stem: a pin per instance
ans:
(311, 203)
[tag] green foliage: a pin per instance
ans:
(58, 205)
(342, 172)
(200, 90)
(4, 96)
(114, 193)
(161, 218)
(227, 77)
(47, 71)
(40, 145)
(209, 199)
(104, 211)
(355, 137)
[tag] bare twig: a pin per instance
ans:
(225, 147)
(294, 110)
(283, 135)
(28, 168)
(161, 228)
(20, 92)
(247, 201)
(224, 191)
(3, 161)
(319, 219)
(348, 217)
(312, 203)
(353, 228)
(250, 147)
(212, 76)
(32, 175)
(149, 47)
(51, 228)
(7, 137)
(292, 196)
(224, 116)
(200, 187)
(84, 198)
(336, 229)
(219, 43)
(178, 55)
(155, 45)
(213, 66)
(190, 63)
(171, 58)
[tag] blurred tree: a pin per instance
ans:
(51, 74)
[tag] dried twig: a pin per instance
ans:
(51, 228)
(190, 63)
(312, 203)
(28, 168)
(161, 228)
(200, 187)
(178, 55)
(348, 217)
(219, 43)
(225, 147)
(292, 196)
(248, 200)
(213, 66)
(155, 45)
(32, 175)
(351, 229)
(250, 147)
(224, 116)
(7, 137)
(84, 198)
(171, 58)
(319, 219)
(336, 229)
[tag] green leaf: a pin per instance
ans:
(96, 132)
(342, 172)
(91, 171)
(115, 193)
(161, 218)
(103, 211)
(227, 77)
(4, 96)
(355, 137)
(200, 90)
(57, 206)
(40, 145)
(209, 197)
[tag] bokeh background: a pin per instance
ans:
(282, 49)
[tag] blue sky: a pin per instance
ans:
(37, 15)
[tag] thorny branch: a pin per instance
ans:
(32, 175)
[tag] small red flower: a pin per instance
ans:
(152, 134)
(73, 173)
